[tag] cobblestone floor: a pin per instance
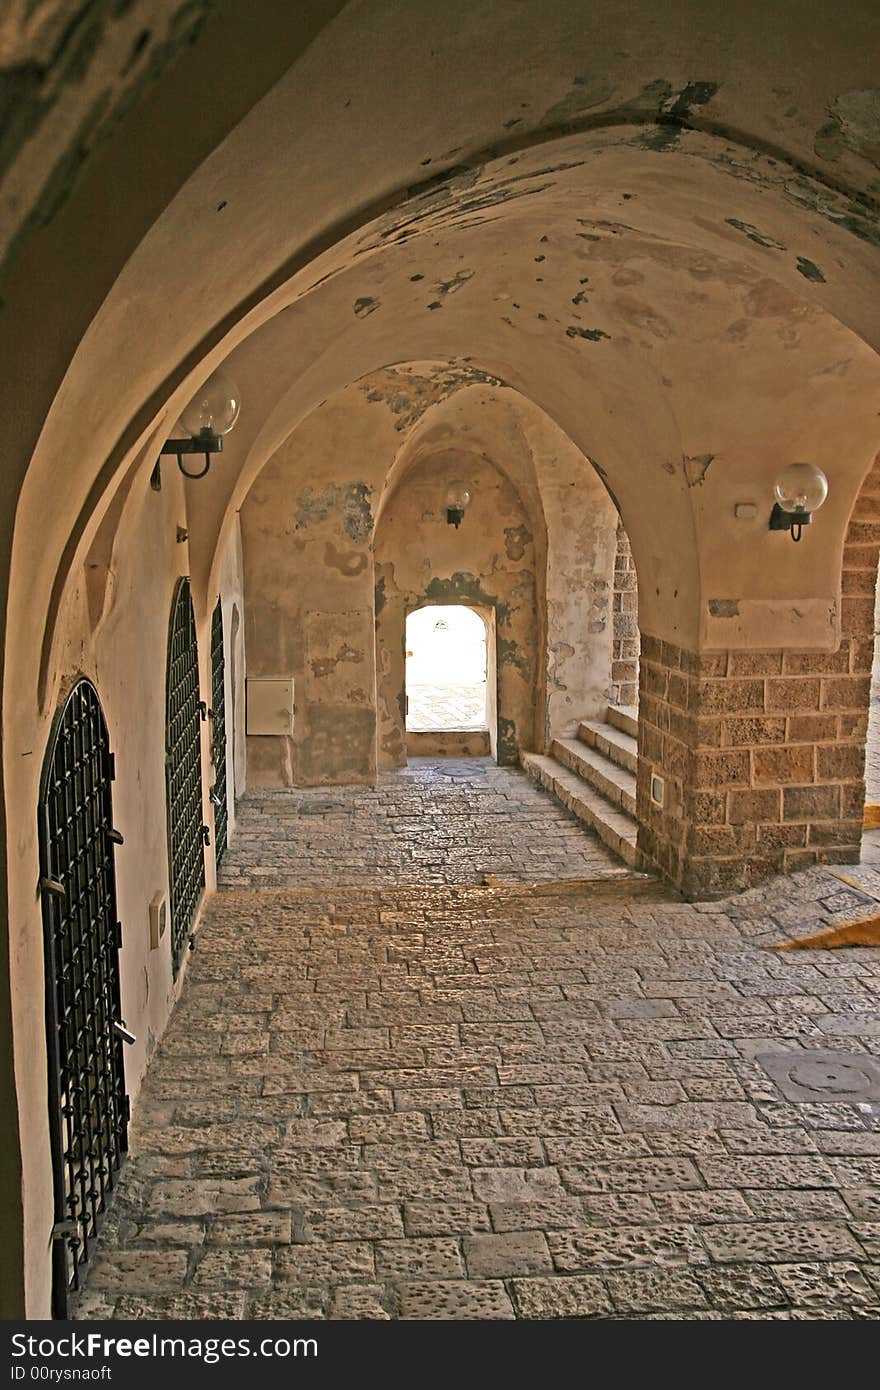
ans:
(506, 1103)
(441, 820)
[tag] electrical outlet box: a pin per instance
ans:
(158, 920)
(270, 704)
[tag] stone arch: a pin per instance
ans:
(420, 559)
(810, 232)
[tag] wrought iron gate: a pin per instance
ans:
(88, 1106)
(183, 772)
(218, 733)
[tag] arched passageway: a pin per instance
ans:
(605, 300)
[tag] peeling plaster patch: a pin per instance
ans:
(409, 395)
(664, 136)
(325, 666)
(348, 562)
(696, 467)
(508, 745)
(593, 334)
(615, 228)
(437, 203)
(810, 270)
(350, 501)
(674, 112)
(855, 125)
(754, 235)
(364, 306)
(724, 607)
(462, 588)
(516, 538)
(450, 286)
(461, 176)
(586, 93)
(509, 653)
(694, 94)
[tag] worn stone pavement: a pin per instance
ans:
(518, 1102)
(439, 820)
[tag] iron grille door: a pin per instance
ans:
(183, 772)
(218, 733)
(88, 1106)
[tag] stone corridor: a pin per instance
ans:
(439, 820)
(461, 1101)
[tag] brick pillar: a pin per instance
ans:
(625, 652)
(762, 752)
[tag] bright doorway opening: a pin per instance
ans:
(447, 658)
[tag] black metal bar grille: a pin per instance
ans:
(183, 772)
(218, 733)
(88, 1107)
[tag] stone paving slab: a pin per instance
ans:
(477, 1102)
(440, 820)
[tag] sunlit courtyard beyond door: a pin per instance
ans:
(445, 669)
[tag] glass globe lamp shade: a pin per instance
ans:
(214, 408)
(801, 487)
(457, 497)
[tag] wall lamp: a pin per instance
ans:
(209, 416)
(457, 500)
(800, 490)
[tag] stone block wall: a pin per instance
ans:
(762, 752)
(625, 650)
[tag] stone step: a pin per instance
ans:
(613, 826)
(611, 743)
(625, 718)
(616, 783)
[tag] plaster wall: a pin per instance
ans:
(581, 543)
(114, 629)
(307, 529)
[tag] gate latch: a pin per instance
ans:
(62, 1229)
(206, 834)
(124, 1033)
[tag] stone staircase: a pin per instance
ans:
(594, 776)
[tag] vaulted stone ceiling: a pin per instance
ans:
(665, 239)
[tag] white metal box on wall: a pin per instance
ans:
(270, 708)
